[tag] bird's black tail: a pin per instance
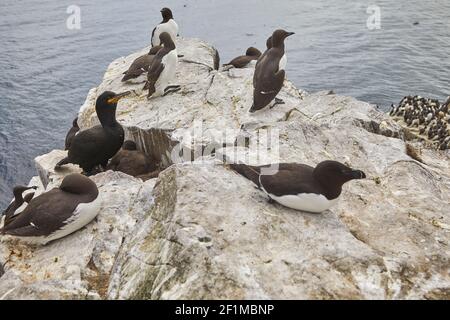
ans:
(250, 172)
(126, 77)
(62, 162)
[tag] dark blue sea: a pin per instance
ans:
(48, 68)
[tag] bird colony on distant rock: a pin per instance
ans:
(426, 117)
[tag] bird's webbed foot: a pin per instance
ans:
(171, 89)
(277, 101)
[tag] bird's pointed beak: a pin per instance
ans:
(119, 96)
(290, 33)
(357, 174)
(32, 187)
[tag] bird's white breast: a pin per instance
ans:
(171, 27)
(21, 208)
(309, 202)
(282, 63)
(170, 62)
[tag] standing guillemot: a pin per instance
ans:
(95, 146)
(242, 61)
(18, 204)
(301, 187)
(163, 69)
(141, 64)
(131, 161)
(269, 73)
(58, 212)
(167, 25)
(72, 132)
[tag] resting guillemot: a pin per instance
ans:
(18, 204)
(242, 61)
(163, 69)
(72, 132)
(141, 64)
(58, 212)
(167, 25)
(131, 161)
(301, 187)
(269, 72)
(95, 146)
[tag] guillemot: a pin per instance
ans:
(167, 25)
(58, 212)
(141, 64)
(163, 69)
(269, 72)
(242, 61)
(95, 146)
(72, 132)
(131, 161)
(18, 204)
(302, 187)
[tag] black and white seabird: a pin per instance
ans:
(167, 25)
(95, 146)
(141, 64)
(131, 161)
(301, 187)
(163, 68)
(242, 61)
(58, 212)
(72, 132)
(269, 72)
(19, 203)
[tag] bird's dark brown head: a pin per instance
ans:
(253, 52)
(106, 106)
(154, 50)
(334, 174)
(78, 184)
(129, 145)
(19, 190)
(166, 40)
(166, 14)
(278, 37)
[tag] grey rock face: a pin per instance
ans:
(204, 232)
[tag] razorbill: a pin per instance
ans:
(269, 72)
(242, 61)
(19, 203)
(58, 212)
(131, 161)
(141, 64)
(167, 25)
(96, 145)
(301, 187)
(72, 132)
(163, 68)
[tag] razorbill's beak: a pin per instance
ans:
(357, 174)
